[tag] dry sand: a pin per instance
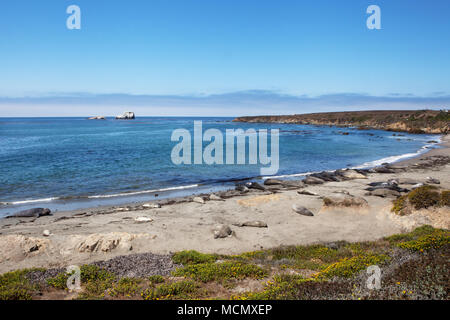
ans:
(188, 226)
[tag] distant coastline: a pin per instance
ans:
(411, 121)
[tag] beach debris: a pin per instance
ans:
(302, 210)
(432, 180)
(152, 205)
(272, 182)
(255, 224)
(313, 180)
(31, 213)
(199, 200)
(307, 193)
(222, 231)
(143, 219)
(345, 201)
(215, 197)
(80, 214)
(255, 185)
(126, 116)
(351, 174)
(63, 218)
(384, 193)
(46, 233)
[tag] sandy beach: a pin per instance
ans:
(85, 236)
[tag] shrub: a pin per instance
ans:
(193, 257)
(348, 267)
(424, 278)
(424, 197)
(281, 287)
(287, 287)
(156, 279)
(259, 254)
(181, 289)
(443, 116)
(60, 281)
(206, 272)
(445, 198)
(399, 205)
(126, 287)
(427, 242)
(312, 257)
(15, 286)
(94, 279)
(418, 232)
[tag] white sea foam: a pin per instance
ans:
(289, 175)
(28, 201)
(102, 196)
(295, 175)
(393, 159)
(369, 164)
(142, 192)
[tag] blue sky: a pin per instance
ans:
(222, 57)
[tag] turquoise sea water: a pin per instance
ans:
(67, 163)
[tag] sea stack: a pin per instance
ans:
(126, 116)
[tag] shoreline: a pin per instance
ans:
(85, 236)
(67, 203)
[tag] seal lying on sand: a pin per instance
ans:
(31, 213)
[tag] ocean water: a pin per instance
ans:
(70, 163)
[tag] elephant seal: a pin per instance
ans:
(31, 213)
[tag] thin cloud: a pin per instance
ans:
(253, 102)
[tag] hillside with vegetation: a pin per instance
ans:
(415, 266)
(412, 121)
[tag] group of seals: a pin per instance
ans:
(31, 213)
